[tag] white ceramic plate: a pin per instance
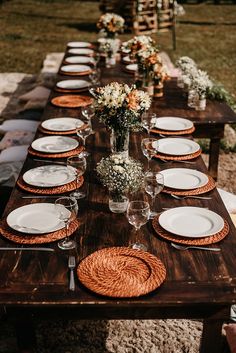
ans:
(79, 44)
(191, 222)
(175, 146)
(132, 67)
(37, 218)
(81, 51)
(184, 178)
(170, 123)
(54, 144)
(75, 68)
(127, 59)
(62, 124)
(49, 176)
(79, 60)
(73, 84)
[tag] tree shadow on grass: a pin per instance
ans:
(83, 27)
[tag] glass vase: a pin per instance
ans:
(192, 98)
(117, 202)
(200, 103)
(158, 89)
(110, 61)
(119, 141)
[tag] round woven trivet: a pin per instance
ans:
(190, 241)
(20, 238)
(178, 158)
(84, 73)
(49, 132)
(72, 90)
(71, 101)
(73, 152)
(202, 190)
(132, 72)
(121, 272)
(174, 133)
(50, 190)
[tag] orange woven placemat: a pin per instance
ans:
(50, 190)
(71, 101)
(20, 238)
(49, 132)
(84, 73)
(178, 158)
(121, 272)
(73, 152)
(202, 190)
(174, 133)
(63, 90)
(190, 241)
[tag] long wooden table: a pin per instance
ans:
(199, 284)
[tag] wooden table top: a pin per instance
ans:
(196, 283)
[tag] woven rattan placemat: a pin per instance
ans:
(84, 73)
(20, 238)
(49, 190)
(49, 132)
(121, 272)
(178, 158)
(190, 241)
(202, 190)
(63, 90)
(71, 101)
(73, 152)
(174, 133)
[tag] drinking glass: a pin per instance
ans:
(149, 148)
(148, 121)
(96, 59)
(83, 132)
(138, 215)
(77, 164)
(153, 185)
(95, 76)
(88, 112)
(67, 209)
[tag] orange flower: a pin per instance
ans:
(132, 100)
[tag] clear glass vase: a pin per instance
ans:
(119, 141)
(201, 102)
(110, 61)
(192, 98)
(117, 202)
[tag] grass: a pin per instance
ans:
(29, 29)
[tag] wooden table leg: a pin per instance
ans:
(214, 157)
(25, 334)
(212, 339)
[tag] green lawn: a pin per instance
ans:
(29, 29)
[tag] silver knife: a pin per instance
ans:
(29, 249)
(41, 197)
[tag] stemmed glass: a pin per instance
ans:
(67, 209)
(138, 215)
(83, 132)
(148, 121)
(88, 112)
(153, 185)
(95, 76)
(149, 148)
(77, 165)
(96, 59)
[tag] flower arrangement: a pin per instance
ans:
(137, 44)
(109, 46)
(119, 174)
(120, 106)
(111, 24)
(185, 63)
(201, 82)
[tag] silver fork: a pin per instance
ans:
(182, 247)
(177, 161)
(191, 196)
(71, 266)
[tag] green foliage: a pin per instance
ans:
(218, 92)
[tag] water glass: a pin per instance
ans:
(153, 185)
(138, 213)
(78, 165)
(148, 121)
(149, 148)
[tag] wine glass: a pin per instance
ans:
(96, 59)
(67, 209)
(148, 121)
(138, 214)
(77, 165)
(95, 76)
(83, 131)
(88, 112)
(149, 148)
(153, 185)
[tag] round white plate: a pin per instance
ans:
(184, 178)
(176, 146)
(132, 67)
(79, 60)
(79, 44)
(191, 222)
(170, 123)
(54, 144)
(75, 68)
(73, 84)
(37, 218)
(127, 59)
(49, 176)
(62, 124)
(81, 51)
